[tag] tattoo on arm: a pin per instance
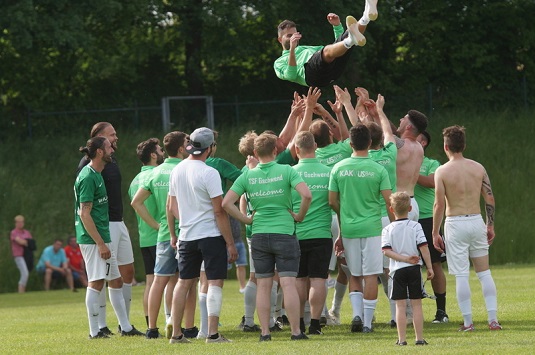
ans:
(87, 205)
(486, 185)
(399, 142)
(490, 209)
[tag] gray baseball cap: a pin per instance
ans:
(200, 140)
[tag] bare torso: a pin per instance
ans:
(409, 160)
(462, 180)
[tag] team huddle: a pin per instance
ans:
(316, 198)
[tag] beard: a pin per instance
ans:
(286, 45)
(160, 159)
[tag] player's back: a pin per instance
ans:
(409, 159)
(462, 180)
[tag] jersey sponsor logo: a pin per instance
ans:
(365, 174)
(161, 184)
(331, 160)
(103, 200)
(316, 175)
(266, 193)
(318, 187)
(384, 162)
(347, 173)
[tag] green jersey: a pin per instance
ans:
(359, 182)
(89, 187)
(227, 171)
(269, 190)
(425, 196)
(147, 234)
(158, 185)
(296, 73)
(317, 223)
(285, 157)
(386, 156)
(334, 152)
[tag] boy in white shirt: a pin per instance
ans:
(403, 241)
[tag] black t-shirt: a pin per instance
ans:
(112, 179)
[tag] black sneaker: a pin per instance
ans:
(251, 328)
(393, 324)
(133, 332)
(421, 342)
(314, 331)
(242, 323)
(265, 337)
(356, 325)
(152, 333)
(440, 317)
(284, 320)
(323, 321)
(401, 343)
(301, 336)
(277, 327)
(100, 335)
(106, 331)
(191, 332)
(367, 330)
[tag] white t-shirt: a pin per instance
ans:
(194, 184)
(404, 237)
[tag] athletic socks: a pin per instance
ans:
(306, 314)
(117, 302)
(250, 302)
(127, 294)
(441, 301)
(278, 307)
(166, 307)
(462, 288)
(369, 309)
(203, 313)
(273, 300)
(489, 293)
(92, 305)
(339, 292)
(102, 308)
(356, 299)
(214, 299)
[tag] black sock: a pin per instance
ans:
(147, 320)
(315, 323)
(214, 336)
(441, 301)
(302, 324)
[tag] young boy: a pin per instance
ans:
(402, 241)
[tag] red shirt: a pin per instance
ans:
(16, 248)
(74, 256)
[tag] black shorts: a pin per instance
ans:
(427, 227)
(315, 257)
(149, 259)
(213, 251)
(407, 280)
(319, 74)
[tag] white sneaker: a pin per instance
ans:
(371, 6)
(220, 339)
(356, 37)
(334, 318)
(201, 335)
(242, 290)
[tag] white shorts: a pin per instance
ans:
(96, 267)
(385, 221)
(121, 244)
(335, 230)
(414, 213)
(364, 256)
(465, 238)
(251, 264)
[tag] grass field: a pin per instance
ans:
(56, 322)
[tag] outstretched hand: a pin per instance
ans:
(333, 19)
(312, 97)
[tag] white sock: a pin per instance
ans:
(214, 299)
(278, 307)
(369, 309)
(203, 311)
(92, 305)
(489, 292)
(356, 299)
(249, 302)
(392, 302)
(339, 292)
(348, 41)
(273, 300)
(462, 287)
(102, 308)
(127, 294)
(117, 302)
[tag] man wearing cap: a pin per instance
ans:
(195, 197)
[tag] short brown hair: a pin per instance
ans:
(418, 120)
(173, 141)
(321, 132)
(401, 202)
(146, 148)
(285, 25)
(264, 144)
(360, 137)
(454, 138)
(305, 141)
(246, 144)
(376, 133)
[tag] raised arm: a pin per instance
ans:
(310, 103)
(288, 131)
(385, 123)
(488, 197)
(327, 118)
(344, 97)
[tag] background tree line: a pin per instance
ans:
(64, 55)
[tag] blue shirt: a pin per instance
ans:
(55, 259)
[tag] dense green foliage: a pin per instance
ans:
(37, 178)
(56, 323)
(60, 55)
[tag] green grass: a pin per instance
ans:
(56, 322)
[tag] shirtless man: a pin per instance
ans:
(410, 156)
(459, 182)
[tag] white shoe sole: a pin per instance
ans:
(372, 12)
(352, 27)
